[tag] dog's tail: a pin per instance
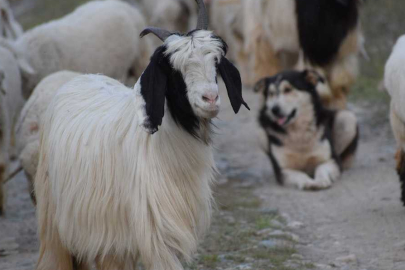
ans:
(400, 158)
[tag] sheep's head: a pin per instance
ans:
(184, 71)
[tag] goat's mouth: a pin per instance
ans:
(283, 120)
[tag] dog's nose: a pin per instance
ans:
(210, 98)
(276, 110)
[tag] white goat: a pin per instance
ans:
(394, 81)
(27, 128)
(9, 27)
(11, 102)
(107, 189)
(98, 37)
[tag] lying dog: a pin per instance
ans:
(308, 145)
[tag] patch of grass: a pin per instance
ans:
(236, 258)
(308, 265)
(268, 221)
(209, 261)
(238, 199)
(366, 89)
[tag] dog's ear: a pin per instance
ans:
(313, 77)
(233, 83)
(261, 85)
(153, 89)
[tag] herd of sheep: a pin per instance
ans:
(133, 167)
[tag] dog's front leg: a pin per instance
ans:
(325, 175)
(297, 179)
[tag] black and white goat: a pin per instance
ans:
(111, 192)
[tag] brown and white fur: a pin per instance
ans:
(307, 144)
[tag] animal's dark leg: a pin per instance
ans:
(400, 157)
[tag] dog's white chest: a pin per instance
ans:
(303, 157)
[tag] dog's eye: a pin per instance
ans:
(287, 90)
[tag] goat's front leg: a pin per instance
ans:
(325, 175)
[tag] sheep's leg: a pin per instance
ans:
(400, 158)
(345, 135)
(1, 199)
(31, 189)
(325, 175)
(296, 179)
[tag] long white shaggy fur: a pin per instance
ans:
(27, 127)
(107, 190)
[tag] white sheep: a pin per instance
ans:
(9, 27)
(27, 127)
(394, 81)
(11, 102)
(174, 15)
(98, 37)
(111, 192)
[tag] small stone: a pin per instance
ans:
(276, 223)
(294, 237)
(268, 244)
(347, 259)
(244, 267)
(230, 219)
(297, 256)
(323, 266)
(264, 232)
(295, 225)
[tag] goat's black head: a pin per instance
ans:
(184, 71)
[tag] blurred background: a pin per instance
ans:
(382, 21)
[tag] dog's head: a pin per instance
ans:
(285, 94)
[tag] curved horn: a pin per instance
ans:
(160, 33)
(202, 22)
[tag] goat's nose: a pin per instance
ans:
(211, 98)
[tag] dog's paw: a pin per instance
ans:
(319, 184)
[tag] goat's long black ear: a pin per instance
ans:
(153, 89)
(233, 83)
(344, 2)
